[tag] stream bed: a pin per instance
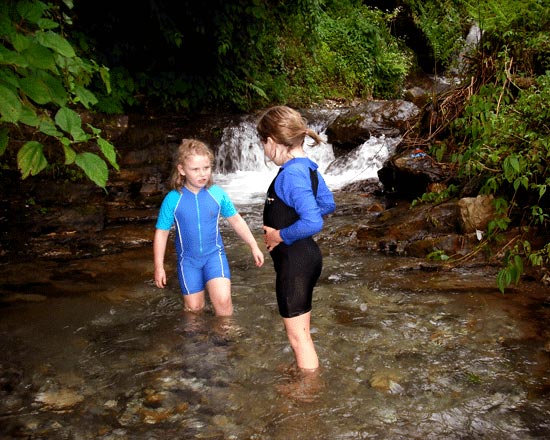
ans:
(91, 349)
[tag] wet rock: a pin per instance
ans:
(386, 381)
(373, 118)
(63, 399)
(476, 212)
(409, 174)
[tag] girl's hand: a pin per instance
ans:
(272, 237)
(160, 278)
(258, 256)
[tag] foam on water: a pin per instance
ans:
(245, 173)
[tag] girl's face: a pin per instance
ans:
(197, 171)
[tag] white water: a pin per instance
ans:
(251, 173)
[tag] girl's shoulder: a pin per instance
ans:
(173, 194)
(215, 189)
(299, 166)
(217, 192)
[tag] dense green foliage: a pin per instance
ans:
(245, 54)
(41, 80)
(502, 138)
(240, 54)
(444, 24)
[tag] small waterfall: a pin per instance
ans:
(243, 171)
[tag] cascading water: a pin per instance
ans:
(245, 173)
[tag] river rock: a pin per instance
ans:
(373, 118)
(409, 174)
(476, 212)
(59, 400)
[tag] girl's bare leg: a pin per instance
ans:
(219, 290)
(194, 302)
(297, 330)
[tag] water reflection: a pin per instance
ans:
(405, 354)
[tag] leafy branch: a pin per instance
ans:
(42, 82)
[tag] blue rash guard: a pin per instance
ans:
(293, 186)
(198, 241)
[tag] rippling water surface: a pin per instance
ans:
(405, 353)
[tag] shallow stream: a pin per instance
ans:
(96, 351)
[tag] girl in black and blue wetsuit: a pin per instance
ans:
(296, 202)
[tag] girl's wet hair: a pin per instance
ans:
(285, 126)
(186, 149)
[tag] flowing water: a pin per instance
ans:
(405, 353)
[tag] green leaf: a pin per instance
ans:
(31, 11)
(46, 23)
(108, 151)
(29, 116)
(48, 127)
(20, 42)
(106, 78)
(56, 42)
(56, 88)
(10, 57)
(70, 122)
(36, 90)
(10, 105)
(94, 167)
(518, 266)
(43, 88)
(9, 78)
(39, 57)
(4, 138)
(70, 155)
(504, 279)
(31, 159)
(86, 97)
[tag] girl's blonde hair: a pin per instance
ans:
(188, 148)
(286, 127)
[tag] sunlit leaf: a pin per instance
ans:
(31, 159)
(29, 117)
(48, 127)
(70, 155)
(69, 121)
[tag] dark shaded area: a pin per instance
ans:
(141, 36)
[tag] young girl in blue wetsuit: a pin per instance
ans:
(195, 205)
(296, 202)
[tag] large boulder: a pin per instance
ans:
(411, 174)
(373, 118)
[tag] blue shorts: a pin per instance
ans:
(195, 272)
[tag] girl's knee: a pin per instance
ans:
(194, 302)
(195, 309)
(223, 307)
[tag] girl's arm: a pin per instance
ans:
(159, 249)
(243, 231)
(293, 186)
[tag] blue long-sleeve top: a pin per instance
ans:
(293, 186)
